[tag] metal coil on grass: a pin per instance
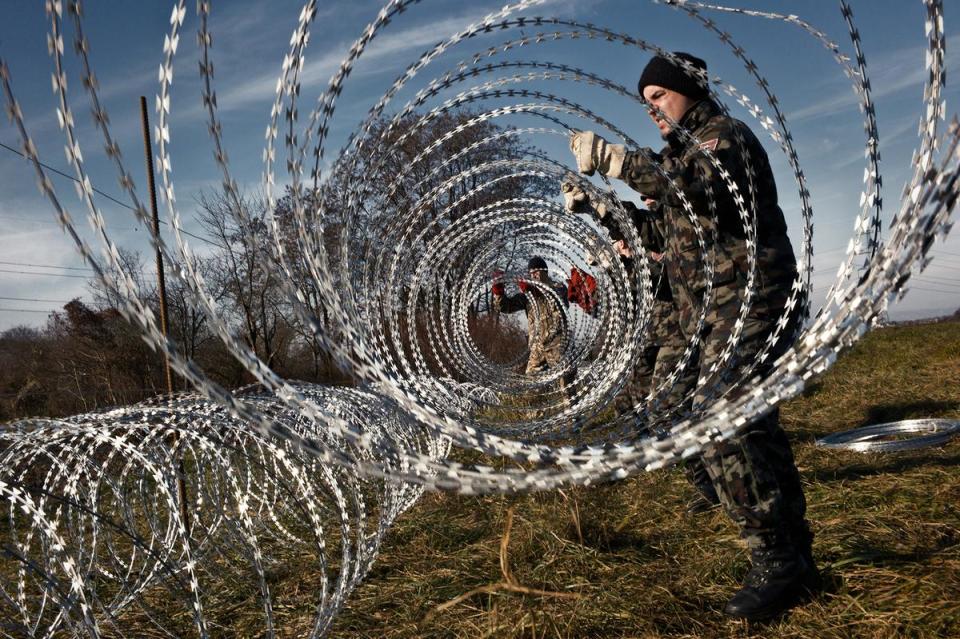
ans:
(876, 437)
(94, 542)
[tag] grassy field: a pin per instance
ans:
(622, 560)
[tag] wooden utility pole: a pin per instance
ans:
(161, 281)
(162, 293)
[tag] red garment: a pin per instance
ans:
(582, 289)
(498, 287)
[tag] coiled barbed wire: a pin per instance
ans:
(894, 437)
(93, 517)
(400, 248)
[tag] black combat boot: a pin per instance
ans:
(706, 498)
(778, 580)
(814, 581)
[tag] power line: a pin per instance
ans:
(942, 252)
(66, 268)
(944, 255)
(79, 277)
(66, 175)
(826, 272)
(71, 268)
(49, 222)
(818, 253)
(23, 310)
(112, 227)
(30, 299)
(106, 195)
(938, 280)
(932, 290)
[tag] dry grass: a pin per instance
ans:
(888, 534)
(621, 560)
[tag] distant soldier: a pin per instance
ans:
(754, 472)
(545, 303)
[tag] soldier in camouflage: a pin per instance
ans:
(754, 472)
(665, 342)
(544, 302)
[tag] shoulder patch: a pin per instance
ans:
(710, 145)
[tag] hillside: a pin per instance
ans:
(621, 560)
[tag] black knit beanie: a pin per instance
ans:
(536, 263)
(663, 72)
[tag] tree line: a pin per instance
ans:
(87, 356)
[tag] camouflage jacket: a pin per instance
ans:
(691, 171)
(651, 238)
(546, 314)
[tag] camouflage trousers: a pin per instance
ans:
(652, 370)
(544, 358)
(754, 472)
(660, 357)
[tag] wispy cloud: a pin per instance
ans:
(392, 45)
(25, 243)
(890, 73)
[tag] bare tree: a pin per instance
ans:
(188, 322)
(132, 264)
(241, 275)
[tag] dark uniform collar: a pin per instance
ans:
(695, 117)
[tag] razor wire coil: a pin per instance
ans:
(912, 434)
(401, 279)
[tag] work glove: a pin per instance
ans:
(575, 199)
(591, 304)
(498, 288)
(593, 153)
(581, 289)
(600, 208)
(573, 285)
(590, 285)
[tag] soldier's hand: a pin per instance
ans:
(623, 248)
(498, 288)
(600, 208)
(573, 284)
(575, 199)
(650, 155)
(593, 153)
(602, 260)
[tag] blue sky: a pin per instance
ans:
(251, 38)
